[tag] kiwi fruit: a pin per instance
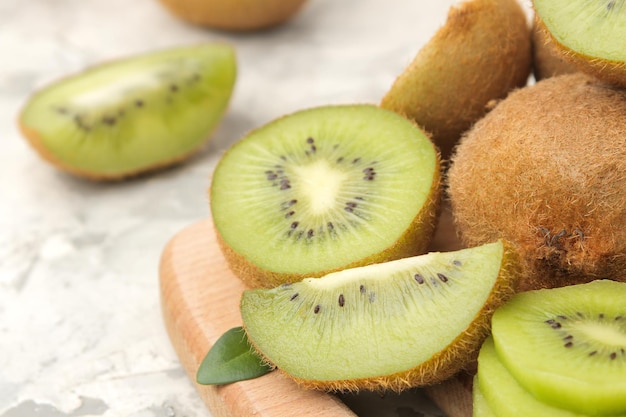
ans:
(134, 114)
(480, 406)
(234, 15)
(388, 326)
(495, 390)
(324, 189)
(589, 34)
(547, 61)
(567, 346)
(545, 170)
(481, 53)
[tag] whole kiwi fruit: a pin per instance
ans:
(234, 15)
(480, 54)
(546, 169)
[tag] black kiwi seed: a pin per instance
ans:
(419, 278)
(362, 289)
(442, 277)
(293, 296)
(317, 309)
(291, 213)
(341, 300)
(294, 225)
(139, 103)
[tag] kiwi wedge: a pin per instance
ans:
(567, 346)
(324, 189)
(481, 53)
(589, 34)
(387, 326)
(234, 15)
(545, 169)
(132, 115)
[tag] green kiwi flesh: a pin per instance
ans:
(545, 170)
(323, 189)
(501, 392)
(590, 34)
(567, 346)
(480, 406)
(132, 115)
(388, 326)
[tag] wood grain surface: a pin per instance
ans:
(200, 301)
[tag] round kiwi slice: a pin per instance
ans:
(393, 325)
(234, 15)
(567, 346)
(132, 115)
(590, 34)
(324, 189)
(480, 406)
(481, 53)
(503, 395)
(545, 169)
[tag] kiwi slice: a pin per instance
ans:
(234, 15)
(481, 53)
(480, 406)
(132, 115)
(394, 325)
(502, 394)
(324, 189)
(590, 34)
(553, 156)
(567, 346)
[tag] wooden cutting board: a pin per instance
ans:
(200, 301)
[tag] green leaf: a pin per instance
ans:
(231, 359)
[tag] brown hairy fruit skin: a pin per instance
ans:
(547, 61)
(546, 169)
(480, 54)
(234, 15)
(607, 70)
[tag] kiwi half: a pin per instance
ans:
(589, 34)
(388, 326)
(545, 169)
(132, 115)
(567, 346)
(324, 189)
(234, 15)
(481, 53)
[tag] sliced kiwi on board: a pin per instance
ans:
(132, 115)
(388, 326)
(234, 15)
(503, 395)
(590, 34)
(324, 189)
(481, 53)
(567, 346)
(480, 406)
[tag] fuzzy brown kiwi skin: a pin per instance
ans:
(481, 53)
(460, 353)
(546, 169)
(608, 71)
(234, 15)
(414, 241)
(547, 61)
